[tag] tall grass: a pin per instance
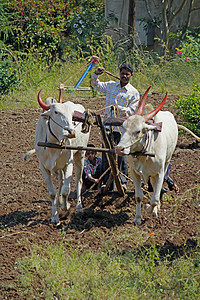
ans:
(174, 76)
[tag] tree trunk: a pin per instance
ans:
(131, 20)
(165, 37)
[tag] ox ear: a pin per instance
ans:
(148, 127)
(150, 115)
(140, 108)
(46, 114)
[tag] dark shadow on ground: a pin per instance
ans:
(97, 218)
(168, 251)
(22, 218)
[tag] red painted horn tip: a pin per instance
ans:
(147, 90)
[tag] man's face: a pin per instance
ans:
(90, 155)
(125, 76)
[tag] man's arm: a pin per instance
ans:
(95, 83)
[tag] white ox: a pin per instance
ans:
(139, 136)
(55, 125)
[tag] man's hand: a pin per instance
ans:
(99, 71)
(114, 106)
(95, 180)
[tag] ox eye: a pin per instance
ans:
(56, 112)
(137, 132)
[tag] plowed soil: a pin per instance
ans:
(25, 208)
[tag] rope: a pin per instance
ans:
(89, 120)
(101, 109)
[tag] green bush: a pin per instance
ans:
(189, 109)
(55, 29)
(9, 78)
(37, 26)
(85, 28)
(189, 49)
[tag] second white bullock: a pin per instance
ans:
(55, 125)
(138, 136)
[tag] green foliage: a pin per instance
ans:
(53, 28)
(54, 42)
(9, 78)
(5, 28)
(189, 49)
(38, 25)
(37, 74)
(86, 27)
(189, 109)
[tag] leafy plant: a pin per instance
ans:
(38, 26)
(85, 28)
(189, 109)
(53, 28)
(9, 78)
(189, 49)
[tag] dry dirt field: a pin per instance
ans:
(25, 208)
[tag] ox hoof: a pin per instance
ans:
(68, 205)
(60, 200)
(149, 208)
(55, 221)
(79, 209)
(137, 221)
(154, 214)
(65, 206)
(57, 225)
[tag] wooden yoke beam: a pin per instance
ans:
(111, 157)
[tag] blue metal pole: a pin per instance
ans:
(94, 60)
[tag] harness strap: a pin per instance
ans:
(152, 133)
(145, 146)
(51, 130)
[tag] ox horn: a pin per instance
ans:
(60, 96)
(156, 110)
(42, 104)
(142, 103)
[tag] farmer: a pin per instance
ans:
(92, 169)
(123, 98)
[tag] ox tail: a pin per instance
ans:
(189, 131)
(28, 154)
